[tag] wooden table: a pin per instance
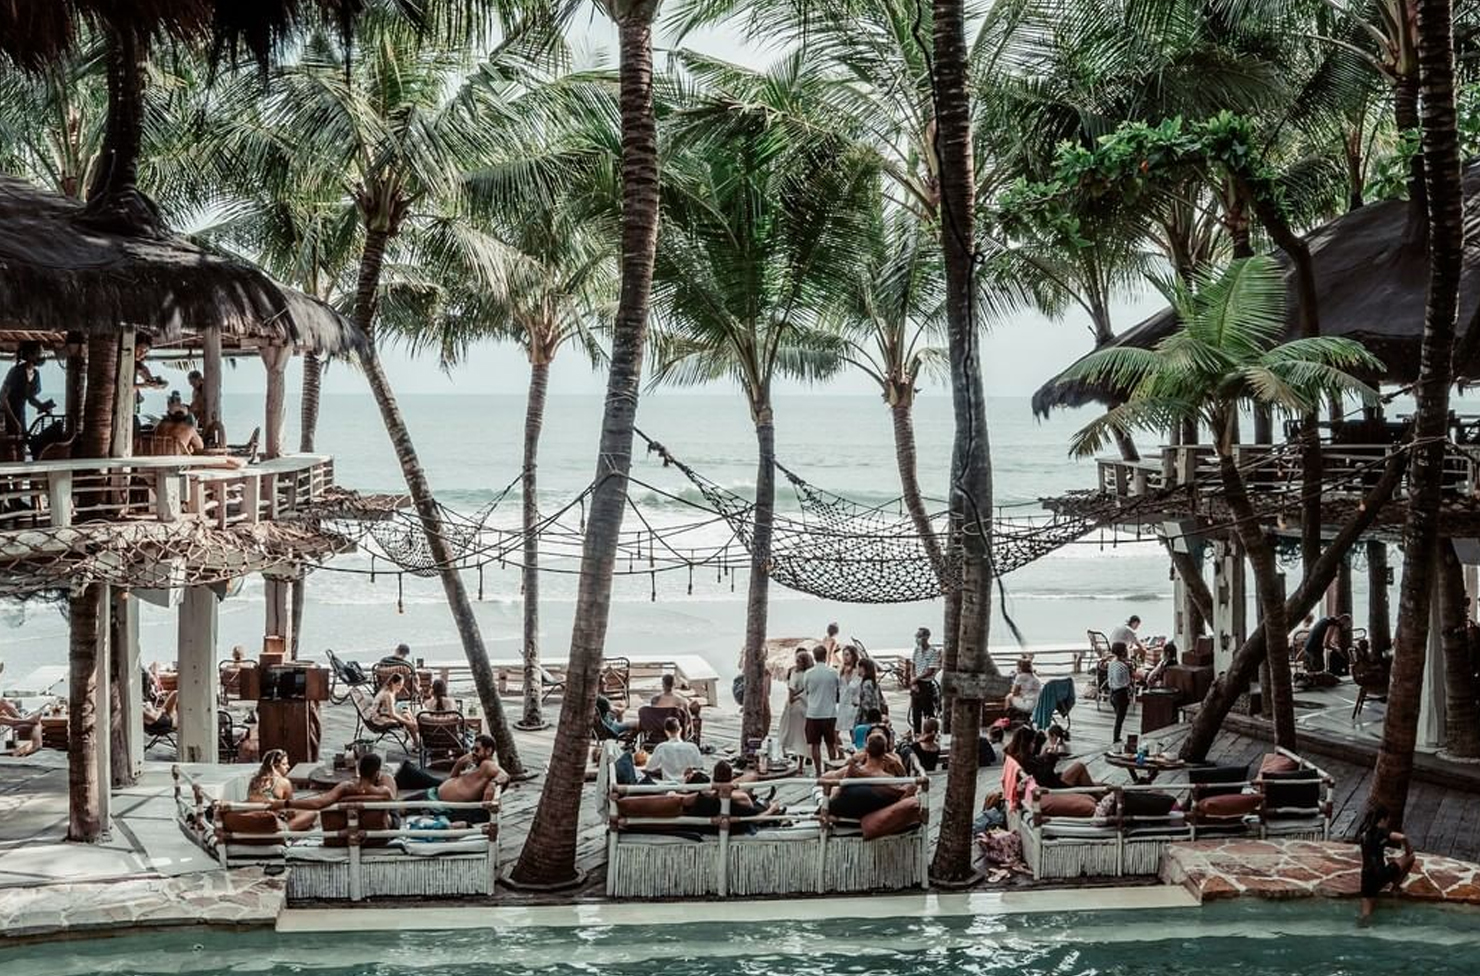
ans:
(317, 776)
(1142, 774)
(785, 770)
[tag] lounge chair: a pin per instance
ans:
(369, 726)
(1056, 698)
(444, 737)
(347, 676)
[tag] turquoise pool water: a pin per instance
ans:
(1231, 939)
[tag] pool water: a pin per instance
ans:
(1307, 938)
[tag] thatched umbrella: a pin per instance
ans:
(58, 273)
(1370, 286)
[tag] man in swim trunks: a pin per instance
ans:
(473, 777)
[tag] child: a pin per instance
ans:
(1378, 872)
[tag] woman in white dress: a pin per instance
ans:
(850, 679)
(793, 729)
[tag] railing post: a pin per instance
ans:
(722, 872)
(167, 495)
(251, 498)
(59, 498)
(352, 825)
(269, 484)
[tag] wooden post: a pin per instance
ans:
(1263, 424)
(1379, 627)
(278, 592)
(76, 350)
(59, 498)
(275, 358)
(1230, 601)
(197, 661)
(123, 403)
(103, 710)
(1433, 705)
(211, 373)
(127, 691)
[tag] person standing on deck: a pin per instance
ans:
(1126, 634)
(1118, 682)
(833, 646)
(924, 665)
(22, 386)
(821, 687)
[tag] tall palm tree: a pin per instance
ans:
(889, 316)
(1223, 358)
(549, 854)
(412, 135)
(758, 236)
(1446, 242)
(552, 284)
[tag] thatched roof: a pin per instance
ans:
(57, 273)
(1371, 288)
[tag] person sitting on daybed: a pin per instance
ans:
(472, 779)
(707, 803)
(854, 801)
(873, 721)
(1027, 750)
(371, 782)
(270, 785)
(925, 747)
(672, 758)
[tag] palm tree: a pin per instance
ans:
(758, 236)
(413, 136)
(549, 854)
(890, 314)
(552, 283)
(1222, 358)
(1446, 242)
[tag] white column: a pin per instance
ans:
(104, 712)
(275, 358)
(1433, 705)
(211, 375)
(197, 702)
(123, 398)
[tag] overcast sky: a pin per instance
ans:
(1018, 354)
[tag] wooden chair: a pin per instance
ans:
(444, 737)
(1099, 649)
(1370, 673)
(385, 669)
(247, 450)
(616, 679)
(229, 736)
(150, 445)
(650, 719)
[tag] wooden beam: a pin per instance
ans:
(275, 358)
(122, 444)
(211, 371)
(197, 669)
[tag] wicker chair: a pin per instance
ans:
(650, 719)
(616, 679)
(385, 669)
(444, 737)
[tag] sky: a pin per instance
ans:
(1018, 353)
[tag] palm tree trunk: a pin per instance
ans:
(371, 260)
(1271, 599)
(909, 482)
(1232, 683)
(754, 722)
(952, 615)
(1405, 114)
(1461, 710)
(1379, 620)
(84, 818)
(1446, 236)
(96, 438)
(534, 419)
(549, 854)
(972, 478)
(113, 198)
(308, 406)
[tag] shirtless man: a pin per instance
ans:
(371, 783)
(474, 777)
(27, 728)
(671, 698)
(179, 426)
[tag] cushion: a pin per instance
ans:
(856, 802)
(653, 805)
(254, 850)
(893, 819)
(1078, 829)
(1227, 806)
(431, 847)
(1234, 776)
(1067, 805)
(1139, 803)
(1275, 763)
(332, 820)
(1304, 793)
(242, 823)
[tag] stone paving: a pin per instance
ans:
(244, 897)
(1234, 868)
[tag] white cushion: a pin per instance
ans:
(254, 851)
(461, 845)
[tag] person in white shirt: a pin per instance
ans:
(1118, 678)
(672, 758)
(1025, 688)
(821, 688)
(1126, 634)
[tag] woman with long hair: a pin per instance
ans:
(270, 784)
(1026, 747)
(849, 680)
(870, 695)
(793, 730)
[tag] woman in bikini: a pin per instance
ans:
(271, 785)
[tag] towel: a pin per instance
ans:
(1010, 773)
(1057, 696)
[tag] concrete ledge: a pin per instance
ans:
(1240, 867)
(243, 897)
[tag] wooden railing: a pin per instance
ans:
(52, 494)
(1346, 469)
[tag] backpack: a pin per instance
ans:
(353, 673)
(737, 688)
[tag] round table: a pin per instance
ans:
(1143, 774)
(786, 770)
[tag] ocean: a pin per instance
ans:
(471, 445)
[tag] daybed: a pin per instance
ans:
(1114, 831)
(653, 851)
(358, 852)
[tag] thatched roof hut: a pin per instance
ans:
(59, 274)
(1371, 288)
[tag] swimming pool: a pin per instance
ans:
(1305, 938)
